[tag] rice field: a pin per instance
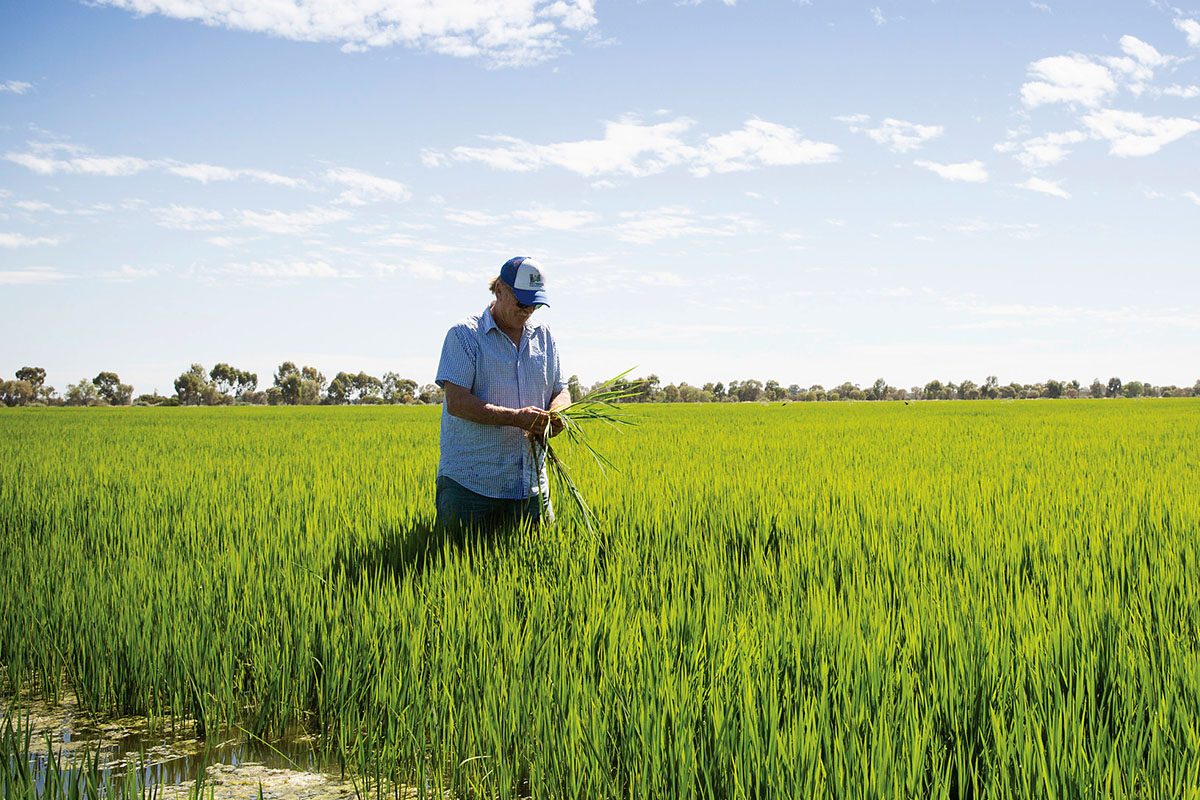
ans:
(809, 600)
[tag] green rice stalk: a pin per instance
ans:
(600, 404)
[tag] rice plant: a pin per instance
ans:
(818, 600)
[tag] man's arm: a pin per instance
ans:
(464, 405)
(560, 400)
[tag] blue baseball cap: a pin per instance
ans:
(525, 277)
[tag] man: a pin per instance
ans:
(499, 373)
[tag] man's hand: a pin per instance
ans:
(556, 423)
(532, 420)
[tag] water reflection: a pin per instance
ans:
(129, 754)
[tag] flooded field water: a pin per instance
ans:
(234, 765)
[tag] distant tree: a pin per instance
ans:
(1134, 389)
(933, 390)
(225, 378)
(286, 369)
(749, 391)
(431, 393)
(112, 390)
(1114, 388)
(83, 394)
(312, 374)
(191, 386)
(16, 393)
(289, 389)
(793, 391)
(339, 389)
(774, 392)
(1096, 389)
(573, 388)
(247, 382)
(990, 388)
(1007, 392)
(670, 393)
(1054, 389)
(399, 390)
(154, 399)
(719, 390)
(845, 389)
(34, 376)
(879, 390)
(274, 396)
(310, 392)
(367, 387)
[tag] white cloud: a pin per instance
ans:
(210, 172)
(43, 160)
(1186, 92)
(282, 269)
(37, 205)
(877, 15)
(1067, 79)
(188, 218)
(1144, 53)
(30, 276)
(899, 136)
(628, 148)
(478, 219)
(1132, 134)
(634, 149)
(16, 87)
(14, 240)
(1045, 187)
(82, 165)
(556, 220)
(509, 33)
(970, 171)
(1040, 7)
(1195, 198)
(296, 222)
(537, 216)
(363, 187)
(127, 273)
(675, 222)
(1190, 28)
(760, 144)
(1042, 151)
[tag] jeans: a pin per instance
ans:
(459, 507)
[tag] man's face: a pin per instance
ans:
(509, 311)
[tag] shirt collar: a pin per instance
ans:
(487, 322)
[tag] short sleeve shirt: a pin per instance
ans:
(492, 460)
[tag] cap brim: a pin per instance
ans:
(531, 297)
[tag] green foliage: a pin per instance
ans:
(823, 600)
(112, 390)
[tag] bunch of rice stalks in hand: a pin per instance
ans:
(600, 404)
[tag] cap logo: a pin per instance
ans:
(535, 279)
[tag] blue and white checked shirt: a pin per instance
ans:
(493, 460)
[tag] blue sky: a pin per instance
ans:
(806, 192)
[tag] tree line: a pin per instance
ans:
(292, 385)
(649, 390)
(225, 385)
